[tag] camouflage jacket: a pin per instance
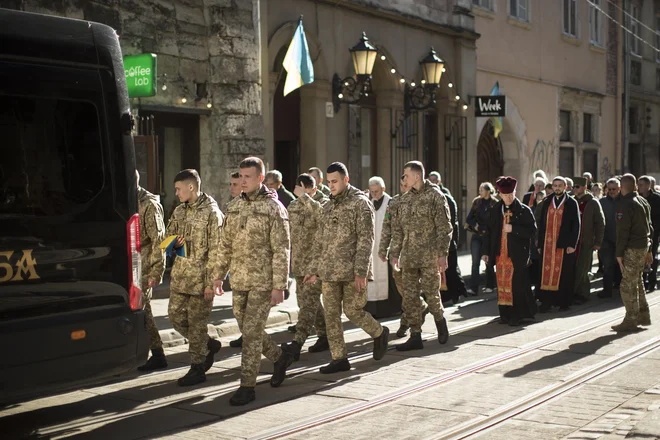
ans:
(152, 233)
(304, 215)
(386, 232)
(346, 237)
(323, 189)
(254, 244)
(423, 230)
(200, 224)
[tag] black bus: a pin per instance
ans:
(70, 298)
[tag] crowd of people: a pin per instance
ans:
(342, 246)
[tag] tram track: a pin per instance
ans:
(440, 379)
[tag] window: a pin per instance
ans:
(633, 118)
(590, 163)
(519, 9)
(657, 37)
(635, 73)
(588, 128)
(565, 126)
(566, 161)
(635, 29)
(486, 4)
(56, 164)
(657, 79)
(570, 17)
(596, 23)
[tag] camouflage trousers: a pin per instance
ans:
(154, 337)
(251, 310)
(633, 294)
(398, 280)
(424, 281)
(311, 311)
(189, 315)
(336, 294)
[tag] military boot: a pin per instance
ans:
(156, 361)
(320, 345)
(279, 369)
(293, 348)
(413, 343)
(644, 317)
(214, 347)
(443, 331)
(237, 343)
(380, 344)
(336, 366)
(194, 376)
(403, 330)
(628, 325)
(242, 396)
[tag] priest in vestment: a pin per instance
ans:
(508, 242)
(378, 289)
(558, 233)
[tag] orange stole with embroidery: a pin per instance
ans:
(553, 258)
(443, 281)
(504, 269)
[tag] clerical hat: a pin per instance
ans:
(579, 181)
(506, 185)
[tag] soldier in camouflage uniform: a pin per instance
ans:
(344, 265)
(317, 174)
(152, 233)
(197, 223)
(633, 247)
(254, 247)
(234, 191)
(420, 245)
(391, 215)
(305, 215)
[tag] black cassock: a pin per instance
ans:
(523, 229)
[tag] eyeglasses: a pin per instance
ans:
(577, 186)
(612, 189)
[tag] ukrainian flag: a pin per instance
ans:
(168, 245)
(297, 62)
(497, 121)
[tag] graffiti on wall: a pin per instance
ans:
(606, 169)
(543, 156)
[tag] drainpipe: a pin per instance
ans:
(626, 87)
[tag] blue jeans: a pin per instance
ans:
(475, 248)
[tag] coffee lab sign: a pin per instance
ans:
(490, 106)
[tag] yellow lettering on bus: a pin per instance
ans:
(6, 271)
(26, 265)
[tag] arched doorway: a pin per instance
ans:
(286, 127)
(490, 158)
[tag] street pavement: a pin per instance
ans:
(222, 322)
(623, 403)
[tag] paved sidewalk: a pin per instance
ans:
(223, 324)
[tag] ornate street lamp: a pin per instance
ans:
(422, 96)
(352, 89)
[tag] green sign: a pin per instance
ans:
(140, 75)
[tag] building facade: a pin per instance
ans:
(374, 136)
(556, 62)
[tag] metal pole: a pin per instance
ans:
(627, 40)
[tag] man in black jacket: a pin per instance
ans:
(507, 243)
(607, 252)
(646, 187)
(558, 233)
(274, 182)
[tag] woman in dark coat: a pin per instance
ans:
(510, 230)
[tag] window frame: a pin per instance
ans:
(490, 7)
(591, 138)
(517, 16)
(635, 12)
(657, 37)
(596, 21)
(570, 132)
(576, 19)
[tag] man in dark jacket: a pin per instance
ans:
(533, 199)
(607, 252)
(558, 233)
(274, 182)
(510, 231)
(646, 186)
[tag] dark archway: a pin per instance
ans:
(490, 158)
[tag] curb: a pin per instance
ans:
(228, 328)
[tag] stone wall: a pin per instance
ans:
(199, 43)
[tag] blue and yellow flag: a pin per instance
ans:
(497, 121)
(168, 246)
(297, 62)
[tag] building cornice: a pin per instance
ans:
(403, 18)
